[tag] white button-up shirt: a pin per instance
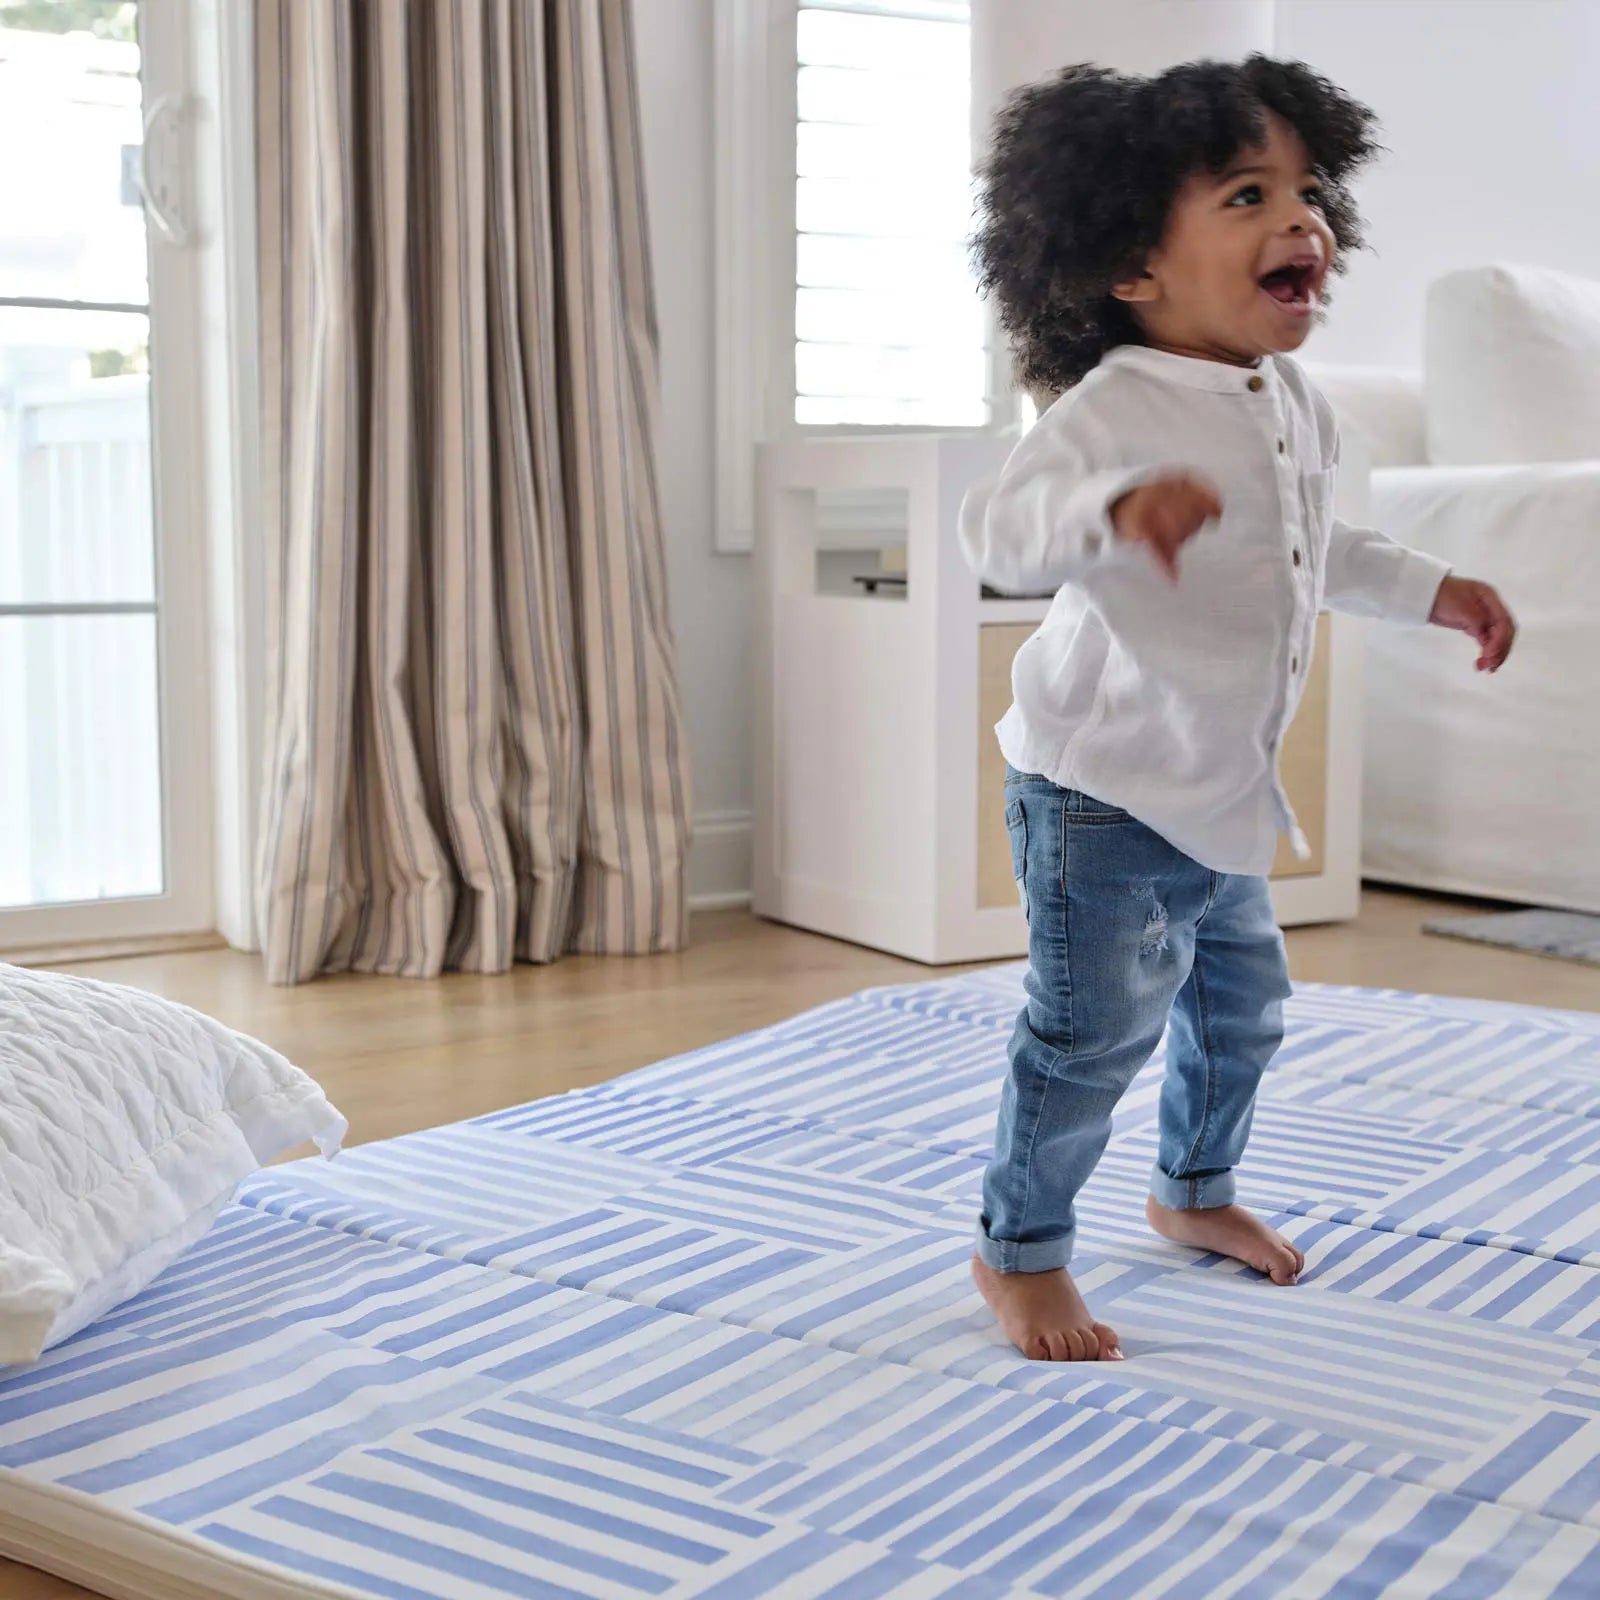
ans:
(1170, 701)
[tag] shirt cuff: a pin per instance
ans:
(1417, 588)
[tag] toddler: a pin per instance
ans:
(1157, 247)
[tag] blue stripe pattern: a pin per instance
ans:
(708, 1331)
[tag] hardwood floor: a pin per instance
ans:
(397, 1056)
(1385, 948)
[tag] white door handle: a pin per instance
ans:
(161, 169)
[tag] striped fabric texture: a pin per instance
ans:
(475, 744)
(709, 1331)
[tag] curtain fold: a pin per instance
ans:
(475, 750)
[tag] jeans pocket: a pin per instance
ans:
(1017, 826)
(1085, 808)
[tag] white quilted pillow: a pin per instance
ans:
(126, 1123)
(1513, 367)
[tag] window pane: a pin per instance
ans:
(937, 267)
(889, 328)
(916, 316)
(71, 225)
(878, 99)
(80, 787)
(936, 375)
(907, 209)
(830, 150)
(75, 523)
(843, 39)
(864, 411)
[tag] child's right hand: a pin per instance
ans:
(1166, 515)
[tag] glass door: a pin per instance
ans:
(103, 770)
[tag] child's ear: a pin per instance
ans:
(1137, 290)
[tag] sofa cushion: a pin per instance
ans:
(1383, 405)
(1513, 367)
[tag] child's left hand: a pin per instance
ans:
(1476, 608)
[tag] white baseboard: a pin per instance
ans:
(719, 862)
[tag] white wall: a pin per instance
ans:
(1488, 108)
(1490, 113)
(1487, 105)
(1020, 41)
(710, 593)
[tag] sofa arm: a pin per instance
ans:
(1483, 783)
(1535, 530)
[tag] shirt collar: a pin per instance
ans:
(1217, 376)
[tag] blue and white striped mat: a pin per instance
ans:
(708, 1331)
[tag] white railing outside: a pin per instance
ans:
(80, 766)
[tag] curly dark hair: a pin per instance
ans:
(1083, 173)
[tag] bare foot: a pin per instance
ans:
(1230, 1231)
(1044, 1316)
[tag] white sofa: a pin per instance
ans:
(1490, 458)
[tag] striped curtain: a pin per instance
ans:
(475, 744)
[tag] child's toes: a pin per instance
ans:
(1110, 1345)
(1283, 1266)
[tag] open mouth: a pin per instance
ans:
(1294, 286)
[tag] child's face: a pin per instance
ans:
(1239, 274)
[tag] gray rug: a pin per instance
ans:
(1568, 934)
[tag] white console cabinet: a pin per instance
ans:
(878, 809)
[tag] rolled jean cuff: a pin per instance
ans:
(1205, 1193)
(1005, 1255)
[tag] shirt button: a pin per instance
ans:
(1294, 665)
(1297, 558)
(1281, 447)
(1256, 384)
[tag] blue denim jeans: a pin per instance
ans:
(1124, 932)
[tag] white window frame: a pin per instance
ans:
(223, 141)
(196, 71)
(754, 132)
